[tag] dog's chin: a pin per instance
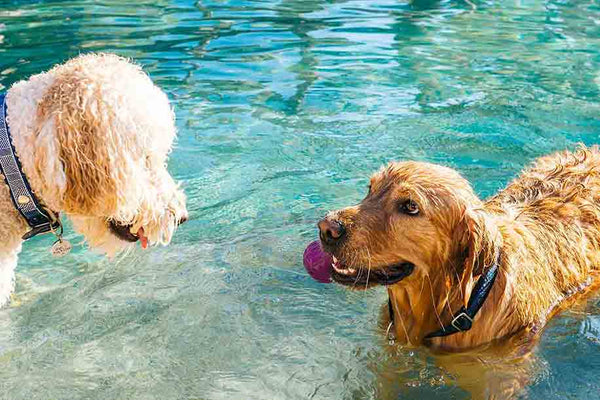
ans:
(362, 278)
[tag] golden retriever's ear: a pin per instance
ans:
(477, 238)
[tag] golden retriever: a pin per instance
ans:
(424, 233)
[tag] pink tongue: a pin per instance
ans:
(318, 263)
(143, 239)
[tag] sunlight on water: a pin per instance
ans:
(284, 108)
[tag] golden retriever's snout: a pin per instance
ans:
(331, 232)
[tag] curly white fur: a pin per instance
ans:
(93, 137)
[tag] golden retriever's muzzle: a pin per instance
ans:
(334, 235)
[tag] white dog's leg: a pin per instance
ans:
(8, 263)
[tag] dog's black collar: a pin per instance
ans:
(20, 191)
(463, 320)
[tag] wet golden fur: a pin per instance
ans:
(93, 136)
(545, 225)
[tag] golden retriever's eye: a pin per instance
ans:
(409, 207)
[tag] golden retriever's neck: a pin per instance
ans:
(426, 303)
(418, 313)
(420, 307)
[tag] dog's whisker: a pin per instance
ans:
(422, 286)
(433, 302)
(369, 267)
(358, 273)
(447, 302)
(401, 321)
(459, 286)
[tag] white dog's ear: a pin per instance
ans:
(477, 238)
(74, 110)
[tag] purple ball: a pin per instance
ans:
(318, 263)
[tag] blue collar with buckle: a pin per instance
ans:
(40, 220)
(463, 320)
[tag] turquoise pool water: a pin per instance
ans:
(284, 108)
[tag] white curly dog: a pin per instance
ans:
(92, 136)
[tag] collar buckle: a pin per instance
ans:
(41, 229)
(462, 322)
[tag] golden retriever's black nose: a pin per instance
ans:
(331, 231)
(182, 220)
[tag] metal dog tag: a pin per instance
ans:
(61, 248)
